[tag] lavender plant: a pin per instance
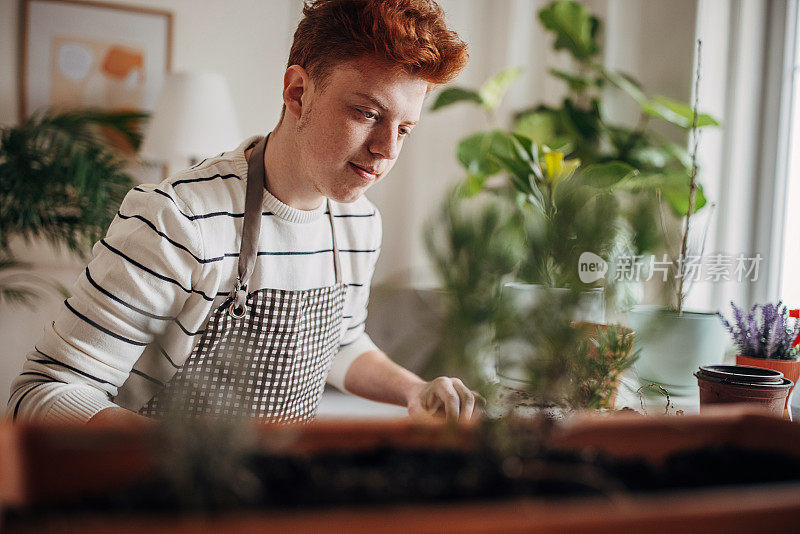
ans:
(765, 332)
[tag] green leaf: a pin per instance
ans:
(650, 156)
(472, 185)
(674, 187)
(62, 175)
(519, 172)
(576, 82)
(626, 83)
(676, 112)
(574, 26)
(675, 190)
(474, 152)
(679, 152)
(523, 147)
(451, 95)
(538, 126)
(604, 175)
(582, 123)
(494, 89)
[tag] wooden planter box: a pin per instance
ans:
(40, 463)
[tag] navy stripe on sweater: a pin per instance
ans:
(157, 275)
(147, 377)
(134, 308)
(119, 300)
(186, 331)
(172, 363)
(52, 361)
(357, 325)
(162, 234)
(239, 215)
(205, 179)
(28, 383)
(235, 254)
(103, 329)
(34, 373)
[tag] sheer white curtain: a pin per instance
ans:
(745, 82)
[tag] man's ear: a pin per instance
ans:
(296, 83)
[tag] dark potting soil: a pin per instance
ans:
(391, 475)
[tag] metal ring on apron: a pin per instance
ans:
(239, 301)
(233, 313)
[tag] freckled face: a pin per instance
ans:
(351, 132)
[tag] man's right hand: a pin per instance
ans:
(118, 416)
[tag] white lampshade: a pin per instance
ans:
(194, 118)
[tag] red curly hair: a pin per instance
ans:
(410, 34)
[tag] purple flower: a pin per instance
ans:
(765, 332)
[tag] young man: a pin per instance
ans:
(239, 286)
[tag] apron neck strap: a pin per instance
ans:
(251, 225)
(336, 263)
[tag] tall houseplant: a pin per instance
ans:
(643, 170)
(580, 128)
(60, 180)
(676, 341)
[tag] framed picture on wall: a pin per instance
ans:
(86, 54)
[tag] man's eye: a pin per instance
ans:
(368, 114)
(405, 131)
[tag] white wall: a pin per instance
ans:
(248, 41)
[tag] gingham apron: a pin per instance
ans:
(264, 354)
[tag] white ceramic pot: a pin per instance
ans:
(674, 346)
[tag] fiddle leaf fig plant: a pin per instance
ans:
(575, 28)
(580, 130)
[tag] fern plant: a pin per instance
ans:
(61, 180)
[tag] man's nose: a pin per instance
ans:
(385, 143)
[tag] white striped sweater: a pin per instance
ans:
(168, 259)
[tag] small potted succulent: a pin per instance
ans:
(765, 337)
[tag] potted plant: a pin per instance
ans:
(61, 180)
(653, 178)
(765, 337)
(581, 130)
(507, 254)
(674, 341)
(610, 352)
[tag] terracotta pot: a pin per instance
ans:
(789, 368)
(75, 449)
(723, 384)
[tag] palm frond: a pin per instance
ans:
(60, 179)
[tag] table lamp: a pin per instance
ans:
(194, 118)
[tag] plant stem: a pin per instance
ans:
(692, 180)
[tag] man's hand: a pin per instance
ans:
(443, 396)
(374, 376)
(118, 416)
